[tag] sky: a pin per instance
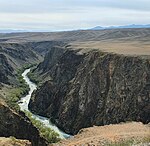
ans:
(57, 15)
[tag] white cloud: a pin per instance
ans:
(71, 14)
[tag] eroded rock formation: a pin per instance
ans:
(19, 126)
(5, 69)
(92, 88)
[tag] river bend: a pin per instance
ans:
(23, 103)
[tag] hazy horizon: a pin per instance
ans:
(60, 15)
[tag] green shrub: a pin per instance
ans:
(50, 135)
(20, 90)
(34, 78)
(15, 95)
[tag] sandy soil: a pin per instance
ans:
(101, 135)
(13, 142)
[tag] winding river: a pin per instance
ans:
(23, 103)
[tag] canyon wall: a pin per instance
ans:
(6, 69)
(92, 88)
(19, 126)
(14, 56)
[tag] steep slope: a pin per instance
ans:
(18, 54)
(43, 47)
(93, 88)
(85, 87)
(14, 56)
(5, 69)
(19, 126)
(61, 65)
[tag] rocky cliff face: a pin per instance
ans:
(94, 88)
(19, 126)
(14, 55)
(5, 69)
(43, 47)
(18, 54)
(56, 64)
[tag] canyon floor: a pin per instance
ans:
(104, 135)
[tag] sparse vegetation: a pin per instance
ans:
(13, 139)
(131, 142)
(20, 90)
(37, 78)
(124, 143)
(50, 135)
(26, 66)
(33, 77)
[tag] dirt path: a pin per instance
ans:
(100, 135)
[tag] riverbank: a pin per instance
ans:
(23, 103)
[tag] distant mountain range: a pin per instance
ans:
(11, 30)
(124, 26)
(94, 28)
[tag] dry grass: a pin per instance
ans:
(13, 142)
(122, 41)
(123, 134)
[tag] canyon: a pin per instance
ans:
(88, 78)
(19, 126)
(93, 88)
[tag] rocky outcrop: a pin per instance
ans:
(5, 69)
(62, 66)
(94, 88)
(15, 55)
(18, 54)
(19, 126)
(51, 58)
(43, 47)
